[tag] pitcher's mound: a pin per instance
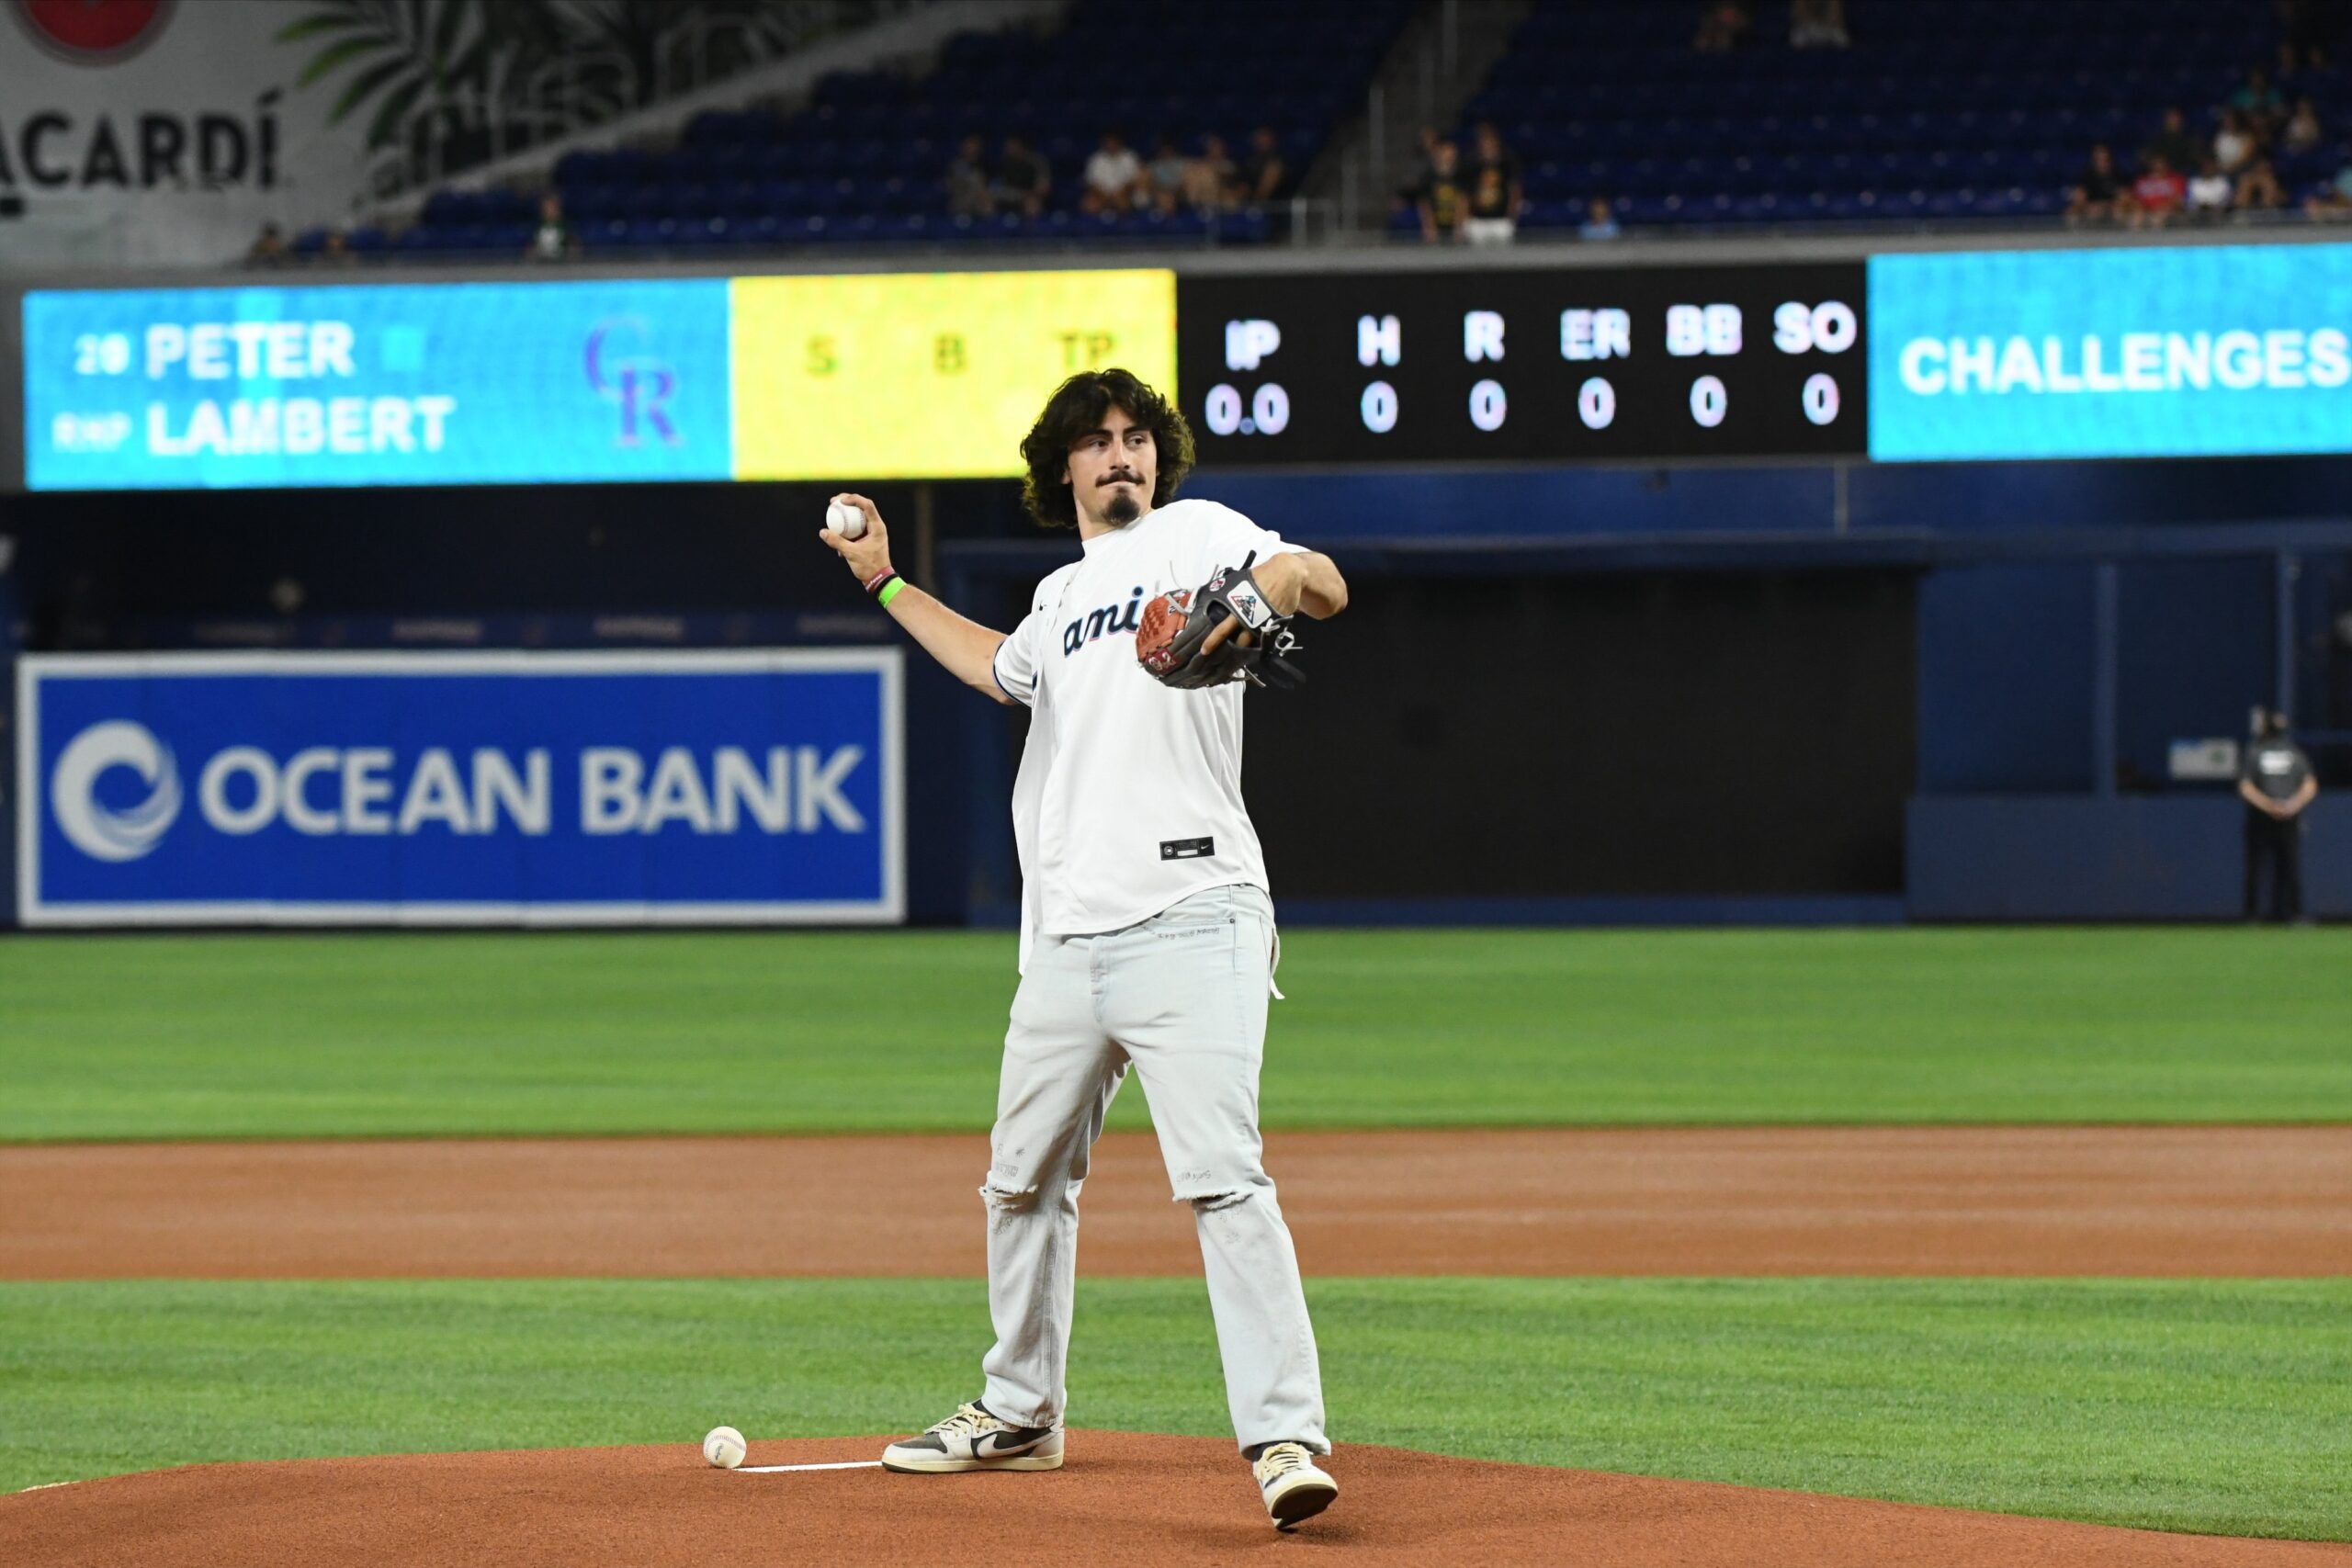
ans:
(1123, 1499)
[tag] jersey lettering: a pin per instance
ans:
(1096, 623)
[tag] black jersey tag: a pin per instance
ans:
(1186, 849)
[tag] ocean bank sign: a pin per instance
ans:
(460, 789)
(2185, 351)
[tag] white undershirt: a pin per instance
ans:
(1123, 778)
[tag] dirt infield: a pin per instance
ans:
(2015, 1200)
(1123, 1499)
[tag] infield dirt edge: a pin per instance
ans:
(1124, 1499)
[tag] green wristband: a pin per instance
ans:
(889, 591)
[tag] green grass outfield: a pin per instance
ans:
(250, 1035)
(2196, 1405)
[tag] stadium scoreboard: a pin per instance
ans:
(1565, 365)
(926, 375)
(791, 377)
(2091, 352)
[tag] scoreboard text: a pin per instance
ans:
(1555, 365)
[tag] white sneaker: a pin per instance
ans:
(1293, 1487)
(974, 1439)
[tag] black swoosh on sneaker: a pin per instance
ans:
(1001, 1445)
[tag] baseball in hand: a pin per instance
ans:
(845, 518)
(724, 1447)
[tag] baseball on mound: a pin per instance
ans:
(845, 518)
(724, 1447)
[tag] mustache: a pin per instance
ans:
(1120, 475)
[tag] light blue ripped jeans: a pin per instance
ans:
(1181, 997)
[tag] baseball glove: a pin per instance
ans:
(1223, 630)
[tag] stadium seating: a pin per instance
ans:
(1941, 109)
(865, 160)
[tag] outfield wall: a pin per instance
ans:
(2075, 858)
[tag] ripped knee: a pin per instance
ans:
(1214, 1202)
(1003, 1196)
(1209, 1196)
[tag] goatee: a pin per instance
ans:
(1122, 509)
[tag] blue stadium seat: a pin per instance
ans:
(1943, 109)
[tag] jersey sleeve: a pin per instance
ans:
(1230, 538)
(1015, 664)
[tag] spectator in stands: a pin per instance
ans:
(1264, 173)
(555, 239)
(268, 248)
(2331, 203)
(2210, 192)
(2158, 195)
(2233, 144)
(1722, 25)
(1443, 203)
(2276, 783)
(1164, 176)
(968, 192)
(2097, 195)
(2258, 189)
(2261, 103)
(1022, 181)
(2303, 30)
(2302, 131)
(1408, 194)
(1211, 182)
(1600, 220)
(1115, 181)
(335, 249)
(2174, 142)
(1817, 24)
(1497, 196)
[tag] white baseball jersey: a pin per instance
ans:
(1129, 796)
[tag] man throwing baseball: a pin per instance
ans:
(1146, 933)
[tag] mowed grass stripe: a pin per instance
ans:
(2190, 1405)
(264, 1035)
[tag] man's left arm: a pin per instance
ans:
(2304, 795)
(1303, 579)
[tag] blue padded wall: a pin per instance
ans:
(2133, 858)
(2004, 678)
(2196, 653)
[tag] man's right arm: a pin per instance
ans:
(965, 648)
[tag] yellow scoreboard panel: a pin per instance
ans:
(895, 376)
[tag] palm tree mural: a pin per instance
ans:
(465, 77)
(396, 52)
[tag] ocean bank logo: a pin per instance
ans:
(361, 791)
(735, 787)
(96, 829)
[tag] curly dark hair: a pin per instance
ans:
(1080, 404)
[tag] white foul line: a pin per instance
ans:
(780, 1469)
